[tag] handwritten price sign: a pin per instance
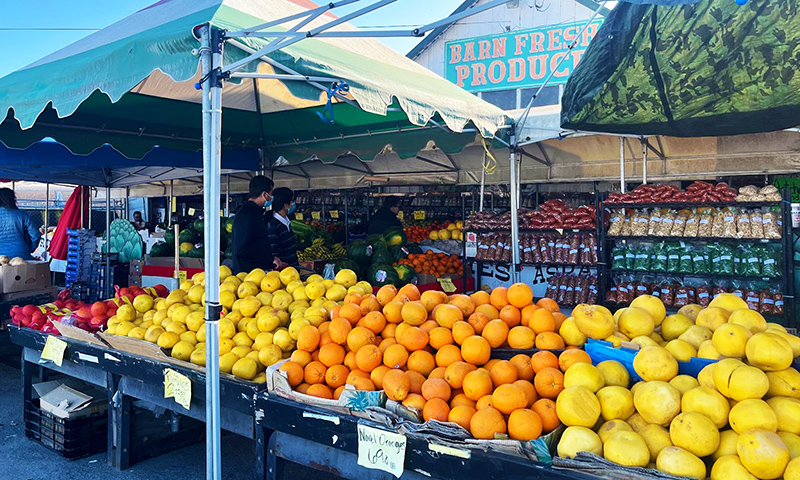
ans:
(381, 450)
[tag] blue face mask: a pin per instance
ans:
(292, 208)
(268, 204)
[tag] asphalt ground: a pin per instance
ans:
(25, 459)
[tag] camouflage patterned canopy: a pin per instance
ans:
(708, 69)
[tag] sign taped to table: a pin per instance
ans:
(381, 450)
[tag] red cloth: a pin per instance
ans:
(70, 219)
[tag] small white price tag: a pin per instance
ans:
(191, 212)
(381, 450)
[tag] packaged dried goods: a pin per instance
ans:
(777, 308)
(617, 220)
(639, 225)
(692, 227)
(767, 302)
(667, 222)
(743, 225)
(703, 296)
(681, 297)
(627, 227)
(654, 224)
(771, 226)
(756, 225)
(704, 226)
(748, 191)
(752, 299)
(678, 225)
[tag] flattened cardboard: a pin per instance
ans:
(74, 333)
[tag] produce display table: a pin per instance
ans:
(128, 377)
(328, 441)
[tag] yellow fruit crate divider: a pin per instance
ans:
(316, 215)
(419, 214)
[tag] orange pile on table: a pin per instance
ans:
(430, 263)
(432, 352)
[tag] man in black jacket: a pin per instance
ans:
(386, 216)
(282, 240)
(250, 236)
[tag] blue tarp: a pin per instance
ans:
(51, 162)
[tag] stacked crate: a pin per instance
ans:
(79, 255)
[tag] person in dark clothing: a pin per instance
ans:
(250, 235)
(282, 240)
(386, 216)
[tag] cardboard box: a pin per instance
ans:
(19, 278)
(51, 292)
(350, 402)
(67, 402)
(135, 267)
(134, 280)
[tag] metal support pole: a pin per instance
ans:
(483, 180)
(227, 195)
(108, 243)
(127, 203)
(512, 160)
(171, 199)
(46, 219)
(622, 164)
(90, 208)
(644, 161)
(211, 60)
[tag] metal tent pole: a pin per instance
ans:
(644, 162)
(622, 164)
(211, 58)
(227, 195)
(171, 199)
(46, 217)
(512, 160)
(483, 179)
(108, 242)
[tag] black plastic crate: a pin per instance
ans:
(70, 438)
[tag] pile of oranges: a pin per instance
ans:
(430, 263)
(432, 352)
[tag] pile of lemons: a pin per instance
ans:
(262, 315)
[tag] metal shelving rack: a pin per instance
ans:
(786, 280)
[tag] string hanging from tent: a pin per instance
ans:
(333, 90)
(491, 164)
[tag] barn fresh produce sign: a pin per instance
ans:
(517, 59)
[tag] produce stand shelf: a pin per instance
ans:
(617, 271)
(734, 241)
(682, 205)
(533, 230)
(564, 265)
(127, 377)
(328, 441)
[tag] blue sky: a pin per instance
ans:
(22, 47)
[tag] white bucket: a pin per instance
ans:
(796, 215)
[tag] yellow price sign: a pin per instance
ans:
(334, 213)
(400, 215)
(447, 284)
(179, 387)
(181, 276)
(191, 211)
(316, 215)
(53, 350)
(419, 214)
(298, 216)
(174, 204)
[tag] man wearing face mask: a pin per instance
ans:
(251, 247)
(282, 239)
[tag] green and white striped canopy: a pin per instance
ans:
(132, 85)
